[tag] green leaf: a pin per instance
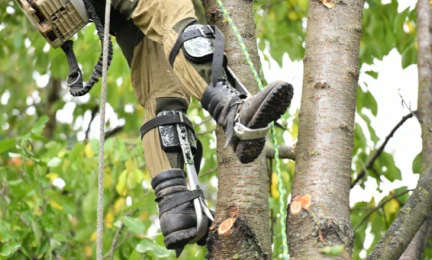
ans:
(9, 248)
(40, 124)
(134, 225)
(135, 256)
(7, 144)
(36, 231)
(5, 233)
(18, 40)
(54, 162)
(372, 73)
(385, 165)
(360, 140)
(416, 164)
(371, 103)
(403, 198)
(147, 245)
(372, 132)
(336, 250)
(409, 56)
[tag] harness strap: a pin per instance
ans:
(185, 196)
(165, 120)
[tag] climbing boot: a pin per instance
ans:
(177, 217)
(246, 119)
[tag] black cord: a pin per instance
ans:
(78, 89)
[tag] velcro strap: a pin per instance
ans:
(179, 200)
(165, 120)
(207, 31)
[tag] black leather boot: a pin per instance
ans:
(176, 210)
(246, 120)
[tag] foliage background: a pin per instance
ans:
(48, 156)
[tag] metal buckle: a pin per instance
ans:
(67, 79)
(245, 133)
(203, 34)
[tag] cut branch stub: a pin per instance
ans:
(234, 235)
(225, 227)
(295, 207)
(299, 203)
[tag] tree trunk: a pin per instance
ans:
(242, 197)
(424, 63)
(326, 126)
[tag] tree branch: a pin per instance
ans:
(407, 222)
(285, 152)
(94, 111)
(110, 253)
(113, 132)
(413, 113)
(380, 206)
(377, 153)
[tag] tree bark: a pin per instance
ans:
(326, 126)
(242, 194)
(424, 63)
(407, 223)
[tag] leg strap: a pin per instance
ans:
(165, 120)
(205, 31)
(176, 117)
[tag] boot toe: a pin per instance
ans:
(264, 108)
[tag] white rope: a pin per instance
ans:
(99, 244)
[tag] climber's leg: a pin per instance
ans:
(160, 92)
(196, 53)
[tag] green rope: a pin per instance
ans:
(281, 189)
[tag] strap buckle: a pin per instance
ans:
(207, 35)
(72, 74)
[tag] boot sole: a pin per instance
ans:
(273, 107)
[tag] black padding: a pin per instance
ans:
(207, 31)
(171, 182)
(165, 120)
(179, 200)
(166, 175)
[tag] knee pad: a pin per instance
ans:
(169, 113)
(202, 44)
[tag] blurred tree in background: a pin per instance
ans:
(48, 150)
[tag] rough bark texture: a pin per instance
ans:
(407, 223)
(242, 188)
(326, 125)
(424, 63)
(416, 248)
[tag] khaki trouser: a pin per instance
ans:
(152, 76)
